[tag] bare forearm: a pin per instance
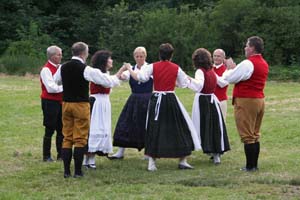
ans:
(132, 73)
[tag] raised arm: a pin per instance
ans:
(221, 82)
(142, 75)
(241, 72)
(97, 77)
(197, 83)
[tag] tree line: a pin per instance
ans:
(28, 27)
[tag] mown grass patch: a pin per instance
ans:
(24, 176)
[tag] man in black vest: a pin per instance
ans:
(75, 75)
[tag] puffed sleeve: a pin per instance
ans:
(100, 78)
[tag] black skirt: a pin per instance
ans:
(169, 135)
(210, 131)
(131, 126)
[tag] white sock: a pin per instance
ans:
(151, 164)
(120, 152)
(146, 157)
(85, 160)
(217, 158)
(183, 161)
(92, 160)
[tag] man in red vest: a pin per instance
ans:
(250, 78)
(51, 98)
(219, 68)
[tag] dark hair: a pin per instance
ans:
(257, 43)
(78, 48)
(202, 58)
(165, 51)
(100, 58)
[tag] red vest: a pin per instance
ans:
(45, 94)
(98, 89)
(164, 75)
(253, 87)
(221, 93)
(210, 81)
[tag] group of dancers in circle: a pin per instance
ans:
(75, 103)
(153, 117)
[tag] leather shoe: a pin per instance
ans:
(92, 166)
(181, 166)
(59, 159)
(78, 175)
(67, 175)
(100, 153)
(245, 169)
(115, 157)
(48, 159)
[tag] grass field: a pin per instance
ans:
(24, 176)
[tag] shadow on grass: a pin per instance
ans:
(196, 182)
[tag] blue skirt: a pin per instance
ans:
(130, 129)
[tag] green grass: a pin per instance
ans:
(24, 176)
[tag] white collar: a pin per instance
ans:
(55, 65)
(218, 66)
(77, 58)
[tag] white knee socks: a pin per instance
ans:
(151, 164)
(85, 160)
(120, 152)
(217, 159)
(183, 161)
(92, 160)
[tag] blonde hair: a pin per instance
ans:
(140, 49)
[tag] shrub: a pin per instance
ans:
(26, 54)
(20, 64)
(176, 27)
(284, 73)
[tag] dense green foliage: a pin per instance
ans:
(27, 27)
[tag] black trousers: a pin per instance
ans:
(52, 120)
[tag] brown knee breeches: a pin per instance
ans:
(248, 114)
(76, 122)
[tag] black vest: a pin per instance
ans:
(76, 88)
(139, 87)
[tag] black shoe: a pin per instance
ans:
(115, 157)
(245, 169)
(100, 153)
(86, 166)
(181, 166)
(67, 175)
(92, 166)
(78, 175)
(59, 159)
(48, 159)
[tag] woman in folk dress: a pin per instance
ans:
(100, 141)
(170, 131)
(130, 129)
(207, 114)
